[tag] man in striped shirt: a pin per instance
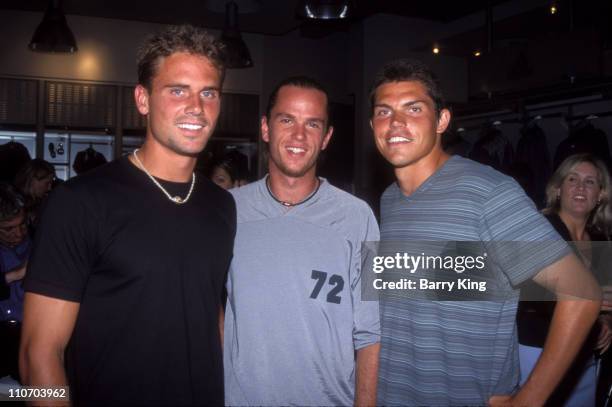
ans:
(441, 353)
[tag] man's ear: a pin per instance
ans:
(265, 136)
(141, 96)
(330, 131)
(443, 121)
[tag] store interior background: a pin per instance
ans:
(532, 63)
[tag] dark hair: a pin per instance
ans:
(227, 163)
(11, 202)
(33, 169)
(301, 82)
(402, 70)
(177, 38)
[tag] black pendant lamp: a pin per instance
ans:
(237, 54)
(53, 33)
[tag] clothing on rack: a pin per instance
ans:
(454, 144)
(87, 160)
(584, 138)
(494, 149)
(532, 167)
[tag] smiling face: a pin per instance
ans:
(183, 103)
(580, 190)
(407, 129)
(296, 131)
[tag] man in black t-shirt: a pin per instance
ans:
(124, 286)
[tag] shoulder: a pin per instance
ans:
(246, 191)
(345, 213)
(344, 200)
(100, 178)
(464, 172)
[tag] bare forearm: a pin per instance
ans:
(570, 326)
(42, 367)
(367, 375)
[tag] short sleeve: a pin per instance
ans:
(64, 247)
(522, 240)
(366, 318)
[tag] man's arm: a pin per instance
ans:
(578, 302)
(47, 327)
(367, 375)
(221, 324)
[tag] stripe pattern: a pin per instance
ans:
(441, 353)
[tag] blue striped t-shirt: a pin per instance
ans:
(446, 353)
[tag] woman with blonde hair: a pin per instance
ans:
(578, 206)
(581, 215)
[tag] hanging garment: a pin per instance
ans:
(494, 149)
(454, 144)
(87, 160)
(532, 163)
(584, 138)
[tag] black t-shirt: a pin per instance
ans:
(148, 275)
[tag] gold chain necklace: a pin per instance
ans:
(176, 199)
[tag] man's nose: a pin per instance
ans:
(397, 120)
(195, 106)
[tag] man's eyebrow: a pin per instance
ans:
(176, 85)
(282, 114)
(406, 104)
(381, 105)
(414, 102)
(315, 119)
(183, 86)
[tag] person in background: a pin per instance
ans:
(34, 180)
(13, 156)
(224, 172)
(578, 206)
(14, 252)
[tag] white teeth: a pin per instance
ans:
(189, 126)
(398, 139)
(296, 150)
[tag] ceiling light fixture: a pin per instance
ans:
(436, 50)
(477, 53)
(324, 9)
(237, 53)
(53, 33)
(553, 8)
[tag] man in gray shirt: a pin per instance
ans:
(296, 329)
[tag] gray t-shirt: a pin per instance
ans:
(294, 317)
(447, 353)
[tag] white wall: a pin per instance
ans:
(107, 51)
